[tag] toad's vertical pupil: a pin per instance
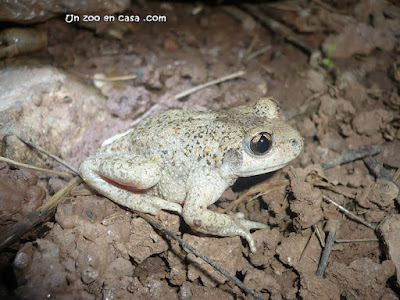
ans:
(263, 144)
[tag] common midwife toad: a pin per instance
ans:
(183, 161)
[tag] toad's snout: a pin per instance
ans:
(296, 143)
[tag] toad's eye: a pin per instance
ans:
(261, 143)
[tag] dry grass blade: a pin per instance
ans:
(349, 213)
(105, 79)
(320, 234)
(111, 79)
(15, 163)
(396, 175)
(213, 82)
(257, 53)
(39, 216)
(306, 245)
(253, 193)
(49, 154)
(251, 46)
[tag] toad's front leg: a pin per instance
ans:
(125, 179)
(203, 190)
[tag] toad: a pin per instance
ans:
(183, 160)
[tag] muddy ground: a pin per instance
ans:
(342, 98)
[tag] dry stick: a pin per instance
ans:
(14, 233)
(330, 240)
(351, 156)
(375, 167)
(349, 213)
(198, 254)
(280, 29)
(15, 163)
(356, 240)
(53, 204)
(216, 81)
(49, 154)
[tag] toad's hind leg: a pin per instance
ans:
(125, 179)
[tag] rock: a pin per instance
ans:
(358, 38)
(23, 11)
(389, 229)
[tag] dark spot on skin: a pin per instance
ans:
(196, 223)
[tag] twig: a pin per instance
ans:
(349, 214)
(375, 167)
(14, 233)
(356, 241)
(257, 53)
(15, 163)
(49, 154)
(351, 156)
(280, 29)
(216, 81)
(330, 240)
(203, 257)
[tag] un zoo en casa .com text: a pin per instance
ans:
(70, 18)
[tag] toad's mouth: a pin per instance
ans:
(254, 172)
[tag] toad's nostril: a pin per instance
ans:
(293, 142)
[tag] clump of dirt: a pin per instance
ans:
(349, 100)
(20, 195)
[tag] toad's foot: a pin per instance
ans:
(199, 218)
(211, 222)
